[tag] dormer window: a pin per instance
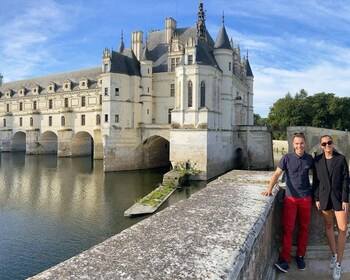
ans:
(9, 93)
(175, 61)
(67, 85)
(22, 91)
(35, 89)
(190, 59)
(51, 88)
(84, 83)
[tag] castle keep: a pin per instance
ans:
(175, 96)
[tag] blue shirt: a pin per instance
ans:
(296, 170)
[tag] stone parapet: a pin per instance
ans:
(225, 231)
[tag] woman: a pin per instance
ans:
(331, 191)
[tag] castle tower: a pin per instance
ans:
(250, 82)
(146, 84)
(223, 55)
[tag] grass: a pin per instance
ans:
(156, 196)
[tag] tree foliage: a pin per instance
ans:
(319, 110)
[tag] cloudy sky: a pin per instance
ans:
(292, 45)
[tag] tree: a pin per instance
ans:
(320, 110)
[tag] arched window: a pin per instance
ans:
(98, 120)
(4, 122)
(63, 121)
(31, 122)
(190, 93)
(202, 103)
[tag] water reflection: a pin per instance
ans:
(53, 208)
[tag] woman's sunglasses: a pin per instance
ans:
(324, 144)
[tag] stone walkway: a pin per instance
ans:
(316, 269)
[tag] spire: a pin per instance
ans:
(121, 46)
(222, 41)
(248, 68)
(201, 29)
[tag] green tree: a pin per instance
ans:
(319, 110)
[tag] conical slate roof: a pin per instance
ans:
(222, 41)
(248, 69)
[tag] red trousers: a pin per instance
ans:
(294, 207)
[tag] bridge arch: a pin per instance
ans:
(154, 152)
(48, 143)
(18, 143)
(82, 144)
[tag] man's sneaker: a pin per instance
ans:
(300, 262)
(333, 261)
(282, 265)
(336, 271)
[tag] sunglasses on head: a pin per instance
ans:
(324, 144)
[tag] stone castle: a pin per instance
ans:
(174, 97)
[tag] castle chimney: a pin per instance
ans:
(170, 26)
(136, 43)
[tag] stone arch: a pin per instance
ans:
(153, 152)
(82, 144)
(18, 143)
(47, 143)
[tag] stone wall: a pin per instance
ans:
(225, 231)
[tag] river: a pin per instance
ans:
(54, 208)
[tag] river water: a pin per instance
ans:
(54, 208)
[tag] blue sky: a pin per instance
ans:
(292, 45)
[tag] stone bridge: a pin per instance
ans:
(228, 230)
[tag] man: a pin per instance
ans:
(297, 201)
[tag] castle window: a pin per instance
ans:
(82, 119)
(100, 99)
(66, 85)
(20, 121)
(116, 118)
(147, 111)
(50, 104)
(21, 106)
(83, 101)
(172, 89)
(106, 91)
(202, 101)
(116, 91)
(106, 117)
(66, 102)
(190, 59)
(63, 121)
(34, 105)
(98, 120)
(172, 65)
(229, 66)
(50, 121)
(105, 69)
(7, 107)
(31, 121)
(147, 89)
(169, 115)
(153, 120)
(4, 122)
(83, 84)
(190, 93)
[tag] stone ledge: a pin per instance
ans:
(208, 236)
